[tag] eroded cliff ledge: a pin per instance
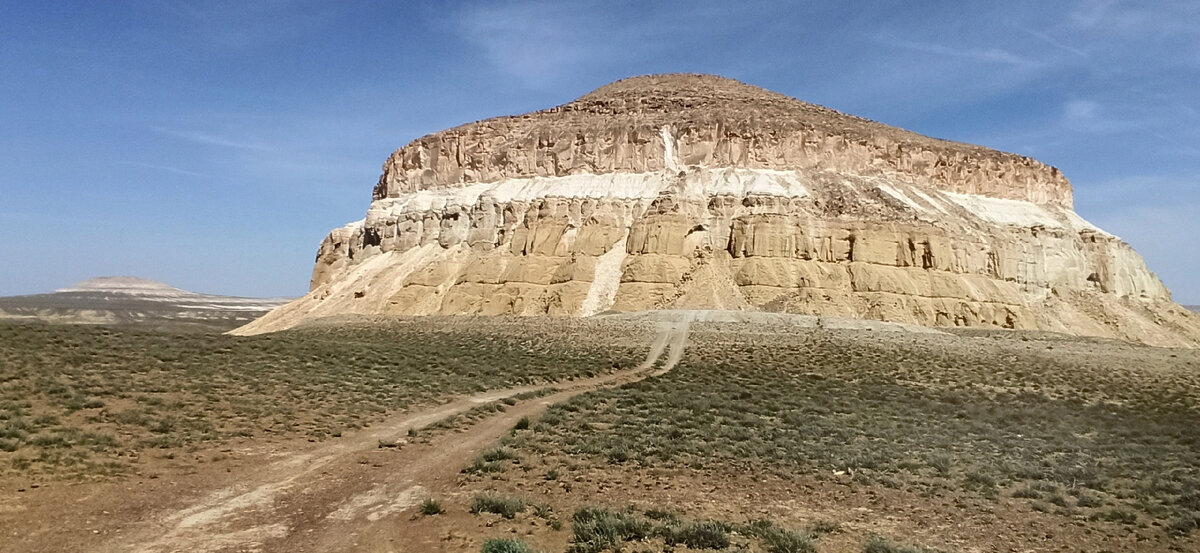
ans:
(693, 191)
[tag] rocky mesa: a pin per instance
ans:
(701, 192)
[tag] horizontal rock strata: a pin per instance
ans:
(703, 193)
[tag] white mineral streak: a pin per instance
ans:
(1005, 212)
(612, 186)
(605, 282)
(670, 150)
(929, 199)
(904, 199)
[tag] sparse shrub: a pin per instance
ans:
(507, 507)
(618, 454)
(822, 527)
(1118, 515)
(1087, 500)
(696, 535)
(779, 540)
(876, 544)
(1182, 525)
(495, 454)
(522, 424)
(1027, 492)
(490, 460)
(659, 514)
(431, 507)
(479, 466)
(941, 463)
(979, 481)
(784, 541)
(505, 545)
(596, 529)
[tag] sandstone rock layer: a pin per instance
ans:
(699, 192)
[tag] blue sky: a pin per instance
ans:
(211, 145)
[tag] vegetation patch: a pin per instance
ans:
(876, 544)
(505, 506)
(89, 400)
(1073, 434)
(505, 545)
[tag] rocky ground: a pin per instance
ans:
(696, 431)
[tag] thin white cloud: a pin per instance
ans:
(529, 41)
(166, 168)
(211, 139)
(987, 55)
(1091, 13)
(1137, 19)
(1053, 42)
(1090, 116)
(1081, 115)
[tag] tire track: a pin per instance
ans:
(324, 499)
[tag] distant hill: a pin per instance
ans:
(132, 300)
(1195, 308)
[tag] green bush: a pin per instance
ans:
(498, 454)
(505, 545)
(507, 507)
(479, 466)
(697, 535)
(783, 541)
(431, 507)
(778, 540)
(596, 529)
(876, 544)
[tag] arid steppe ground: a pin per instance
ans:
(609, 433)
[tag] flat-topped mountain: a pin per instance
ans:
(132, 300)
(125, 285)
(700, 192)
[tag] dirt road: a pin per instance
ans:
(326, 498)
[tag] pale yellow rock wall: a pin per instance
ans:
(681, 249)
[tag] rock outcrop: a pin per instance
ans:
(699, 192)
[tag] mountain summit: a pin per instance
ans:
(701, 192)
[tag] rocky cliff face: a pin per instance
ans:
(688, 191)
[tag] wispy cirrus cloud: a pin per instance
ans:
(986, 55)
(202, 137)
(1045, 37)
(1163, 17)
(528, 40)
(166, 168)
